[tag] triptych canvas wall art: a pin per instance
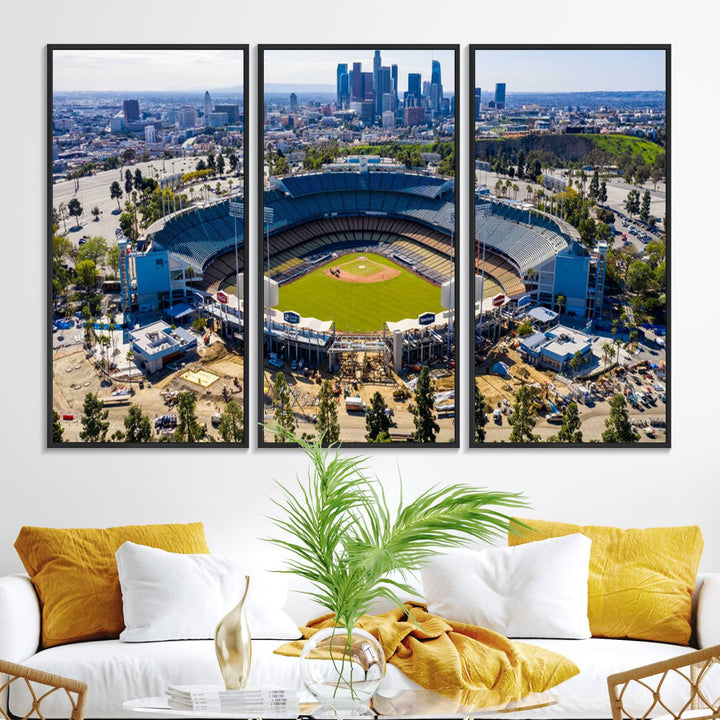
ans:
(358, 332)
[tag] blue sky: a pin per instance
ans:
(146, 70)
(570, 70)
(320, 66)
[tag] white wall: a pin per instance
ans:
(227, 490)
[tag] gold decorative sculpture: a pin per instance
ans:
(233, 646)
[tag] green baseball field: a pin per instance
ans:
(360, 292)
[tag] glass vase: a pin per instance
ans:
(233, 645)
(342, 670)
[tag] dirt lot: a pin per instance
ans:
(75, 375)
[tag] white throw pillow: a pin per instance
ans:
(176, 596)
(536, 590)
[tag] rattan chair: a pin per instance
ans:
(41, 685)
(698, 672)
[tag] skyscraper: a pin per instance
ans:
(342, 70)
(356, 82)
(394, 73)
(414, 86)
(436, 75)
(293, 102)
(500, 96)
(131, 111)
(436, 82)
(207, 106)
(478, 103)
(377, 65)
(383, 87)
(368, 88)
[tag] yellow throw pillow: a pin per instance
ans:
(641, 580)
(75, 574)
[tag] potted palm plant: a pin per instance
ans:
(343, 538)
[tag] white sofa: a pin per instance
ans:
(116, 671)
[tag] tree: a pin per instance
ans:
(75, 210)
(220, 164)
(424, 417)
(525, 328)
(645, 206)
(619, 429)
(94, 420)
(377, 423)
(138, 180)
(95, 249)
(560, 303)
(116, 193)
(87, 274)
(522, 420)
(188, 428)
(232, 427)
(284, 415)
(632, 202)
(95, 212)
(138, 427)
(570, 430)
(640, 277)
(130, 356)
(233, 160)
(57, 428)
(574, 363)
(602, 193)
(594, 189)
(113, 258)
(480, 417)
(608, 352)
(327, 420)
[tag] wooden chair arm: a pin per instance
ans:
(75, 690)
(691, 667)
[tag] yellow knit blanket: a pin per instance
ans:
(468, 665)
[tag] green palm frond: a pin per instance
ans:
(346, 541)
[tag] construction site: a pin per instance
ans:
(214, 374)
(502, 373)
(359, 376)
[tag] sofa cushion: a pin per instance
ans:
(117, 671)
(534, 590)
(75, 574)
(641, 580)
(183, 596)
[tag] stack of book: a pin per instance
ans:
(251, 702)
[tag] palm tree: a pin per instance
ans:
(63, 213)
(516, 190)
(104, 342)
(129, 356)
(528, 192)
(608, 352)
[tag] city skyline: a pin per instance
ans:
(126, 70)
(307, 67)
(554, 71)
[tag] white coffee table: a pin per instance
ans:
(406, 705)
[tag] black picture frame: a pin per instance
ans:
(267, 442)
(244, 106)
(474, 350)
